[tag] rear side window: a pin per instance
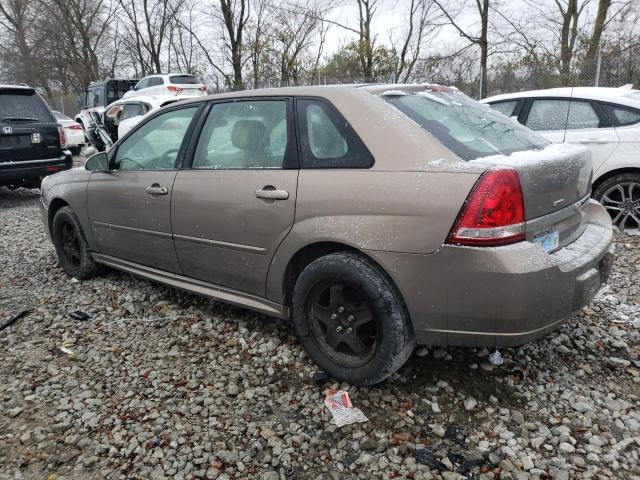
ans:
(327, 139)
(184, 79)
(623, 116)
(23, 105)
(466, 127)
(155, 81)
(505, 108)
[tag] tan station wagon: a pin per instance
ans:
(375, 217)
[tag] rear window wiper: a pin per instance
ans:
(19, 119)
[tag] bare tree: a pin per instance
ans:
(366, 12)
(421, 20)
(480, 39)
(235, 16)
(149, 23)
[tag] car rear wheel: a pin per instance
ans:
(620, 196)
(71, 246)
(351, 320)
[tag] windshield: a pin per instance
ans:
(468, 128)
(23, 106)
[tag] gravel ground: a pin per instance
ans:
(163, 384)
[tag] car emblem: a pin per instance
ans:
(7, 130)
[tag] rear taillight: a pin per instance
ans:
(203, 88)
(173, 88)
(75, 126)
(493, 213)
(63, 137)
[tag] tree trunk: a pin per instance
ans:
(589, 63)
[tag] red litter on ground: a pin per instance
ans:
(343, 412)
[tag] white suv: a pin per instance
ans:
(177, 84)
(606, 120)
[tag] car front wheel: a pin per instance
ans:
(351, 320)
(71, 246)
(620, 196)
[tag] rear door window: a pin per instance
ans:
(155, 81)
(326, 138)
(548, 114)
(582, 115)
(23, 105)
(251, 134)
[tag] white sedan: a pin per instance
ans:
(606, 120)
(72, 130)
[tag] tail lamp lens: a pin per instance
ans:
(63, 137)
(173, 88)
(493, 213)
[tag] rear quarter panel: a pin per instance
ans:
(409, 212)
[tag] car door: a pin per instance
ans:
(235, 204)
(626, 121)
(155, 86)
(588, 125)
(129, 206)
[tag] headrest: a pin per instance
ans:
(249, 135)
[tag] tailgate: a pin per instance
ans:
(556, 186)
(28, 142)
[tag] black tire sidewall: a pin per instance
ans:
(87, 267)
(395, 340)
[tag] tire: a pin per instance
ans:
(620, 196)
(372, 310)
(71, 245)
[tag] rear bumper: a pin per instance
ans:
(27, 169)
(502, 296)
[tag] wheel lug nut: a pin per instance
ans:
(351, 318)
(340, 309)
(338, 329)
(349, 330)
(333, 316)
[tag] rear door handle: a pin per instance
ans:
(156, 189)
(267, 193)
(595, 140)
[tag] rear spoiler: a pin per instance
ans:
(17, 90)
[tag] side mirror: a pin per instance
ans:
(98, 163)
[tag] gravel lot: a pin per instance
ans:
(163, 384)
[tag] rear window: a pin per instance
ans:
(23, 106)
(184, 80)
(466, 127)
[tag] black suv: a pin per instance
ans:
(32, 144)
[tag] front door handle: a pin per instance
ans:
(270, 193)
(595, 140)
(156, 189)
